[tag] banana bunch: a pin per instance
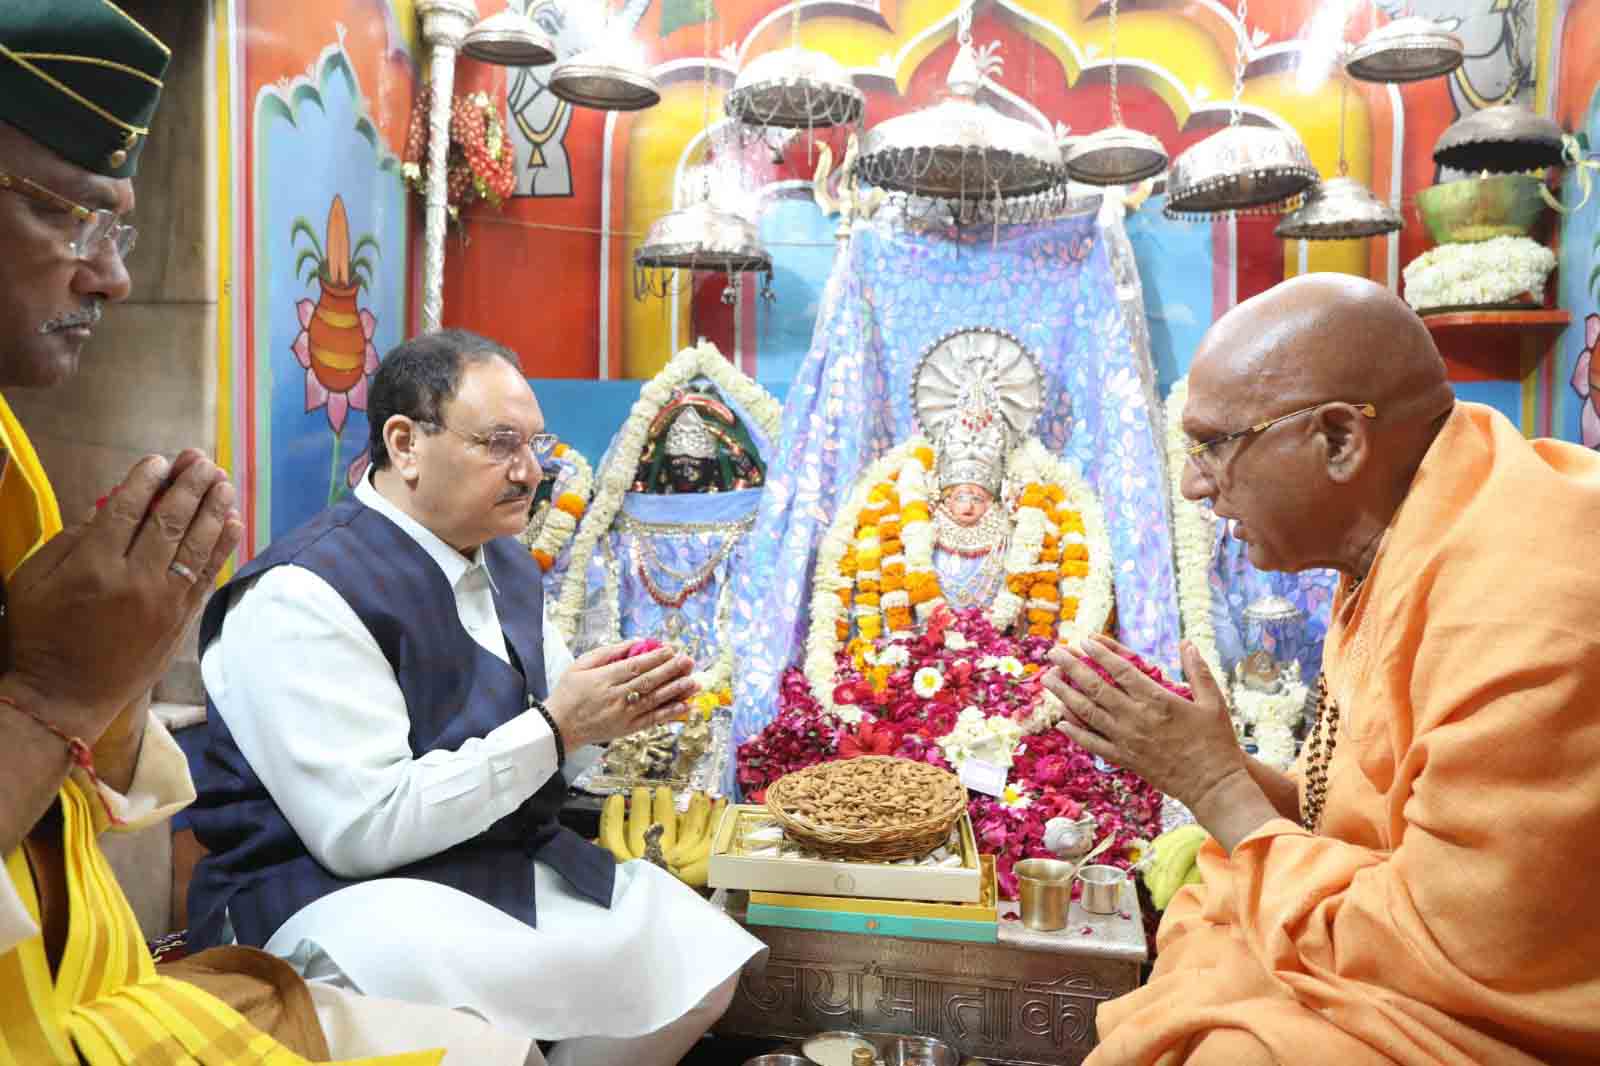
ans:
(1174, 863)
(685, 840)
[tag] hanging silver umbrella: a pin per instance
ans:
(1240, 168)
(1115, 155)
(794, 88)
(1505, 138)
(1408, 49)
(1341, 208)
(508, 39)
(960, 148)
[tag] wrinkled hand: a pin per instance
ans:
(1183, 748)
(96, 615)
(591, 704)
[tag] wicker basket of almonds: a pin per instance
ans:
(875, 808)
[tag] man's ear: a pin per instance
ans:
(1347, 440)
(401, 436)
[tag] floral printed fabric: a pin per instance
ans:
(892, 294)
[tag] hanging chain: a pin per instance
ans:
(1238, 62)
(964, 24)
(1116, 108)
(1344, 94)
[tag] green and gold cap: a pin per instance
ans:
(81, 77)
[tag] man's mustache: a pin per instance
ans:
(88, 316)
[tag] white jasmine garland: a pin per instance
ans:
(1498, 270)
(616, 477)
(1193, 534)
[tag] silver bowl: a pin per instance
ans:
(779, 1058)
(1476, 209)
(917, 1051)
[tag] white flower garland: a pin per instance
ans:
(1193, 535)
(554, 526)
(1029, 463)
(617, 473)
(1498, 270)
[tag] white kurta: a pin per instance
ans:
(317, 711)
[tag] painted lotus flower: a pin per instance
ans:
(1586, 382)
(334, 345)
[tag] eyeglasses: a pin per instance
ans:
(94, 227)
(1204, 452)
(504, 445)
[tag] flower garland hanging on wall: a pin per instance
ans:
(616, 476)
(875, 566)
(555, 521)
(481, 163)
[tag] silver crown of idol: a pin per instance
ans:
(689, 437)
(976, 394)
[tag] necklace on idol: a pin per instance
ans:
(978, 590)
(691, 582)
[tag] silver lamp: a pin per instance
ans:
(1240, 168)
(1408, 49)
(961, 149)
(1115, 155)
(1341, 208)
(509, 39)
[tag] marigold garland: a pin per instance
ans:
(875, 566)
(554, 524)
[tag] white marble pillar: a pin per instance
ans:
(444, 24)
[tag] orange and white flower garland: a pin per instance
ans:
(569, 498)
(875, 566)
(616, 474)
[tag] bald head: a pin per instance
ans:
(1318, 488)
(1323, 337)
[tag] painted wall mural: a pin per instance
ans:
(322, 246)
(321, 93)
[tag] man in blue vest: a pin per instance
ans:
(389, 714)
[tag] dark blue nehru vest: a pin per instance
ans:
(258, 872)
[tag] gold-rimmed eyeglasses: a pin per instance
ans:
(1204, 450)
(503, 445)
(94, 226)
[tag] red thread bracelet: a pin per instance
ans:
(77, 751)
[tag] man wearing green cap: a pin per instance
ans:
(91, 615)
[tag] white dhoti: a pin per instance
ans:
(657, 954)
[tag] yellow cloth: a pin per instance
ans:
(29, 515)
(1446, 914)
(106, 1005)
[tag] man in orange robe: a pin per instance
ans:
(1419, 891)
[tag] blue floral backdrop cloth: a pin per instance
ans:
(1235, 585)
(892, 294)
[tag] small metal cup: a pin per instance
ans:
(1102, 888)
(1045, 888)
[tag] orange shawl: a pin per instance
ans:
(1445, 914)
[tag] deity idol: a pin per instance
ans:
(658, 551)
(976, 514)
